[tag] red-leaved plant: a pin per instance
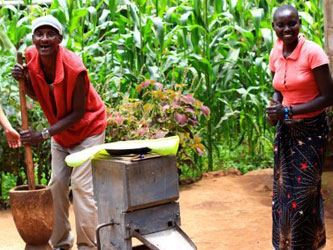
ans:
(160, 113)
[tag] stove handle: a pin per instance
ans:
(98, 228)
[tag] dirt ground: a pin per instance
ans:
(223, 211)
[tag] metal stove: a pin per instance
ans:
(136, 197)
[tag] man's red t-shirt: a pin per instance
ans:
(68, 67)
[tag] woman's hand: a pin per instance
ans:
(271, 121)
(13, 138)
(275, 112)
(31, 137)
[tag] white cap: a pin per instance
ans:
(46, 20)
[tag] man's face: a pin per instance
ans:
(46, 39)
(287, 25)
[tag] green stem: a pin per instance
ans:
(210, 128)
(1, 185)
(209, 92)
(141, 39)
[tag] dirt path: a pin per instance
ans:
(218, 213)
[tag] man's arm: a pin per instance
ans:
(28, 87)
(20, 72)
(79, 101)
(29, 137)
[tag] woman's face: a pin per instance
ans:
(286, 25)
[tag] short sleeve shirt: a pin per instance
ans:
(294, 77)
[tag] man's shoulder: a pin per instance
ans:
(72, 60)
(31, 50)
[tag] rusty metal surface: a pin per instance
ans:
(137, 199)
(170, 239)
(32, 211)
(124, 186)
(120, 227)
(152, 219)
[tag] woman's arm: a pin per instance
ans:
(276, 100)
(13, 138)
(277, 96)
(325, 86)
(323, 100)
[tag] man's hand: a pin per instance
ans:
(13, 138)
(31, 137)
(19, 71)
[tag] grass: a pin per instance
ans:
(8, 182)
(238, 158)
(216, 50)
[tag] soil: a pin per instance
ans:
(223, 211)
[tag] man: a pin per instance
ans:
(58, 80)
(13, 138)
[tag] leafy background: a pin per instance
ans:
(217, 50)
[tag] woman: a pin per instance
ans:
(303, 89)
(13, 138)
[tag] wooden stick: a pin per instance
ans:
(25, 126)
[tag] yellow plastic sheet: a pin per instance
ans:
(163, 146)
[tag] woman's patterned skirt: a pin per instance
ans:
(298, 211)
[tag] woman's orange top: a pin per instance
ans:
(294, 77)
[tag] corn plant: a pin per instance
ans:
(216, 49)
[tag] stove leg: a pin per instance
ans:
(121, 244)
(111, 238)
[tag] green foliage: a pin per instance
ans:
(159, 113)
(217, 49)
(12, 160)
(241, 160)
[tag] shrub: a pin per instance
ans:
(160, 113)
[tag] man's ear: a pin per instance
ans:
(60, 38)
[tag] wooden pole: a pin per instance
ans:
(328, 27)
(25, 126)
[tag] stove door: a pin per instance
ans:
(169, 239)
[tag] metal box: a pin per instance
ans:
(126, 186)
(137, 199)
